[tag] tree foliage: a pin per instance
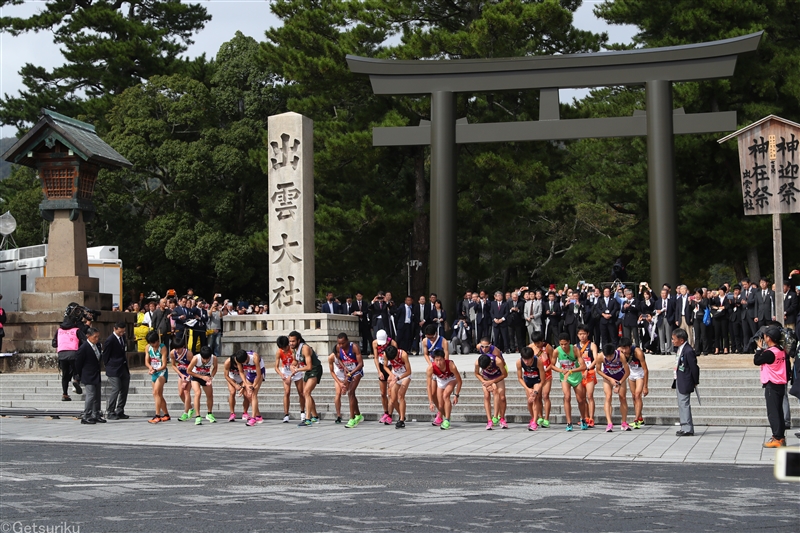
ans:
(195, 195)
(108, 46)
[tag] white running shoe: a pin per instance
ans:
(286, 418)
(302, 416)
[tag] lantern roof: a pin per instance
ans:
(758, 123)
(80, 137)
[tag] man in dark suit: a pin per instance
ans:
(687, 377)
(117, 372)
(551, 317)
(361, 310)
(735, 320)
(404, 319)
(572, 316)
(516, 323)
(609, 309)
(331, 306)
(630, 317)
(87, 366)
(498, 311)
(720, 309)
(765, 303)
(430, 308)
(789, 304)
(748, 304)
(379, 314)
(463, 306)
(665, 321)
(483, 322)
(347, 306)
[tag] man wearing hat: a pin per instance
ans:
(774, 373)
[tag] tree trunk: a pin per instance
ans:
(739, 270)
(752, 264)
(420, 241)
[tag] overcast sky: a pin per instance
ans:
(251, 17)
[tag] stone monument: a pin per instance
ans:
(67, 155)
(292, 305)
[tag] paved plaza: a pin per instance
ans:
(711, 444)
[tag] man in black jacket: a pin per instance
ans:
(630, 319)
(665, 321)
(789, 304)
(609, 309)
(87, 365)
(498, 310)
(687, 377)
(117, 372)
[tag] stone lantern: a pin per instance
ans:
(67, 155)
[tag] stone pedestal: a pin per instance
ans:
(260, 332)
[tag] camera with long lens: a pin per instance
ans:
(76, 313)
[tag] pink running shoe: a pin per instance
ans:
(245, 416)
(251, 422)
(258, 420)
(609, 428)
(503, 424)
(232, 418)
(625, 426)
(383, 419)
(438, 420)
(533, 426)
(489, 425)
(388, 420)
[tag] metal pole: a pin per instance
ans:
(443, 196)
(777, 252)
(661, 185)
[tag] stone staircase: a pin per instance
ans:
(729, 398)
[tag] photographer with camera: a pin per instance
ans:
(68, 338)
(774, 372)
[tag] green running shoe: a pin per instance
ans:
(191, 413)
(304, 423)
(351, 423)
(211, 418)
(315, 420)
(495, 420)
(545, 423)
(539, 421)
(359, 419)
(198, 421)
(445, 424)
(184, 417)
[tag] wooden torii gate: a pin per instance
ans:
(655, 68)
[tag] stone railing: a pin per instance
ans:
(260, 332)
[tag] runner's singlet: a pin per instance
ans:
(530, 374)
(614, 368)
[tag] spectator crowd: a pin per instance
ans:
(718, 320)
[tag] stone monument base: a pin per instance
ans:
(260, 332)
(33, 331)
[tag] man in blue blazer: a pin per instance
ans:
(331, 306)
